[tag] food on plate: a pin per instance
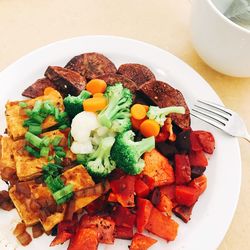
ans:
(136, 72)
(99, 153)
(91, 65)
(66, 81)
(114, 78)
(37, 88)
(163, 95)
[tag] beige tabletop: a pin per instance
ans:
(28, 24)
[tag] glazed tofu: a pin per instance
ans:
(29, 167)
(6, 154)
(77, 176)
(40, 191)
(80, 179)
(15, 115)
(28, 216)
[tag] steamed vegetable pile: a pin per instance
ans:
(126, 164)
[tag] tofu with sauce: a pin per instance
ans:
(6, 154)
(77, 176)
(29, 167)
(15, 115)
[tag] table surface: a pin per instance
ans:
(28, 24)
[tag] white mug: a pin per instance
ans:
(222, 44)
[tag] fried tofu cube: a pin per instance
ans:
(42, 192)
(15, 115)
(6, 155)
(28, 216)
(78, 177)
(29, 167)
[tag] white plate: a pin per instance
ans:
(214, 210)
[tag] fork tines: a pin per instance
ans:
(211, 113)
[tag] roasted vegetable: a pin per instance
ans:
(74, 104)
(99, 163)
(127, 153)
(117, 114)
(160, 114)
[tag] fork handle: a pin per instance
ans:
(247, 137)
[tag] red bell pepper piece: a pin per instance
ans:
(141, 242)
(123, 217)
(186, 196)
(206, 140)
(124, 189)
(123, 232)
(143, 212)
(182, 169)
(200, 184)
(97, 205)
(162, 225)
(161, 137)
(112, 197)
(169, 191)
(149, 181)
(183, 212)
(155, 196)
(141, 188)
(65, 230)
(194, 142)
(197, 159)
(116, 174)
(84, 239)
(105, 227)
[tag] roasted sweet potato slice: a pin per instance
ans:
(136, 72)
(158, 168)
(162, 225)
(163, 95)
(91, 65)
(141, 242)
(105, 227)
(66, 81)
(36, 89)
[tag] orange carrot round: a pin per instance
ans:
(96, 86)
(136, 123)
(146, 107)
(94, 104)
(98, 95)
(48, 90)
(150, 128)
(138, 111)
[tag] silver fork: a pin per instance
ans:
(221, 117)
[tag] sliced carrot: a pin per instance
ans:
(96, 86)
(98, 95)
(136, 123)
(146, 107)
(150, 128)
(48, 90)
(138, 111)
(94, 104)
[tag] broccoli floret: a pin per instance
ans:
(127, 153)
(73, 104)
(99, 163)
(159, 114)
(119, 102)
(121, 122)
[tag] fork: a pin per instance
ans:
(221, 117)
